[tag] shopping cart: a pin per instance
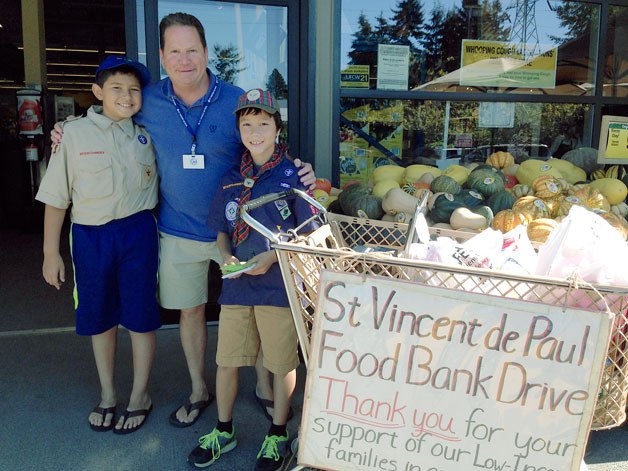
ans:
(333, 247)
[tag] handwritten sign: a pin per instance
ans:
(408, 377)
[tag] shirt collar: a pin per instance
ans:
(169, 90)
(94, 113)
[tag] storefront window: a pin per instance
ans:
(470, 46)
(616, 63)
(378, 132)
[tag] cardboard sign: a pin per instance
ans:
(408, 377)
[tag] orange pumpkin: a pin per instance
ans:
(540, 229)
(591, 197)
(507, 219)
(546, 187)
(500, 159)
(532, 207)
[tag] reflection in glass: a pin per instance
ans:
(512, 47)
(375, 132)
(247, 44)
(616, 63)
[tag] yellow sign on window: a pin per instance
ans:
(613, 146)
(355, 76)
(505, 64)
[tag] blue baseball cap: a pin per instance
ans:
(113, 62)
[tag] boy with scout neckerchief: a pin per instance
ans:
(254, 306)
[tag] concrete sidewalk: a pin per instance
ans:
(49, 385)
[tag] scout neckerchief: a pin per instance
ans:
(189, 129)
(246, 170)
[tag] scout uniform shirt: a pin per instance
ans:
(105, 168)
(267, 289)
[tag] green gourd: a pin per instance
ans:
(445, 184)
(444, 205)
(470, 198)
(485, 181)
(500, 201)
(358, 200)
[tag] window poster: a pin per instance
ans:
(392, 67)
(496, 115)
(505, 64)
(613, 147)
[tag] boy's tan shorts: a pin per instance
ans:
(183, 271)
(241, 329)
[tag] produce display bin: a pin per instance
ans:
(330, 248)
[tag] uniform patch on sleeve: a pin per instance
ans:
(285, 185)
(142, 139)
(288, 172)
(231, 211)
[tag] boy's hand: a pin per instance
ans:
(264, 261)
(306, 172)
(54, 270)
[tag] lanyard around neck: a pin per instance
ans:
(194, 132)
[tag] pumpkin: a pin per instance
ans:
(591, 197)
(540, 229)
(357, 200)
(583, 157)
(445, 184)
(520, 190)
(457, 172)
(614, 190)
(507, 220)
(380, 189)
(398, 201)
(616, 171)
(511, 170)
(500, 201)
(413, 172)
(569, 171)
(414, 187)
(618, 223)
(495, 171)
(562, 206)
(500, 159)
(388, 172)
(620, 209)
(334, 207)
(532, 208)
(546, 187)
(443, 205)
(485, 181)
(470, 198)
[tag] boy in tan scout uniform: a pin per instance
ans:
(105, 168)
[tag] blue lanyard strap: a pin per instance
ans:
(193, 132)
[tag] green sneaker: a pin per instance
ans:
(273, 452)
(211, 447)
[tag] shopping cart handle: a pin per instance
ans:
(269, 198)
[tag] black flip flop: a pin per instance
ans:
(265, 403)
(200, 406)
(135, 413)
(104, 412)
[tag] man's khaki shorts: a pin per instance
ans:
(183, 271)
(241, 329)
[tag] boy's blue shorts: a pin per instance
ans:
(115, 274)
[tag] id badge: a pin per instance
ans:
(194, 162)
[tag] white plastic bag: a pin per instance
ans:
(584, 243)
